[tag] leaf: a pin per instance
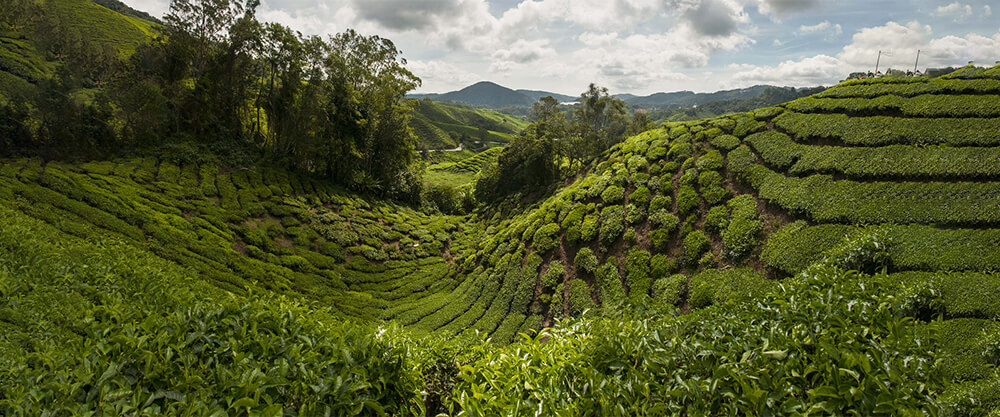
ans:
(244, 402)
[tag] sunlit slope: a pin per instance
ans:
(443, 125)
(23, 57)
(246, 229)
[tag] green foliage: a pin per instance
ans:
(579, 297)
(546, 237)
(553, 275)
(670, 290)
(640, 196)
(725, 142)
(717, 219)
(658, 203)
(634, 213)
(637, 275)
(712, 190)
(589, 228)
(695, 245)
(652, 366)
(613, 195)
(610, 284)
(662, 265)
(884, 130)
(821, 198)
(714, 286)
(926, 105)
(711, 161)
(585, 261)
(742, 234)
(687, 200)
(612, 224)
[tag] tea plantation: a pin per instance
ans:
(832, 255)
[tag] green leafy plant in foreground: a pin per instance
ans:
(831, 343)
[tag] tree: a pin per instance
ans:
(640, 123)
(600, 123)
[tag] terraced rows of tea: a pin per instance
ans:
(683, 216)
(249, 228)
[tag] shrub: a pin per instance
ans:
(631, 237)
(546, 237)
(711, 161)
(613, 195)
(640, 196)
(742, 234)
(637, 275)
(589, 229)
(717, 219)
(670, 290)
(687, 200)
(634, 213)
(714, 286)
(610, 284)
(725, 142)
(662, 265)
(585, 260)
(707, 261)
(574, 217)
(659, 203)
(612, 224)
(695, 245)
(554, 275)
(579, 297)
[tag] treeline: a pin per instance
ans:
(220, 84)
(557, 143)
(770, 97)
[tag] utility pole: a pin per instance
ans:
(877, 61)
(915, 62)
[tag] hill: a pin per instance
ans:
(490, 95)
(62, 29)
(445, 126)
(835, 254)
(689, 98)
(482, 94)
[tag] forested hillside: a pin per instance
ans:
(231, 219)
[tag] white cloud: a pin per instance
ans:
(822, 27)
(898, 43)
(781, 8)
(441, 75)
(519, 53)
(812, 71)
(957, 10)
(155, 8)
(987, 11)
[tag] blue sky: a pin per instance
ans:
(645, 46)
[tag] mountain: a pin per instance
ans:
(494, 96)
(491, 95)
(482, 94)
(536, 95)
(688, 98)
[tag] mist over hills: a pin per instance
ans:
(491, 95)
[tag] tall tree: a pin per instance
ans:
(601, 121)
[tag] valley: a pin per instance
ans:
(319, 244)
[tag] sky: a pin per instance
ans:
(647, 46)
